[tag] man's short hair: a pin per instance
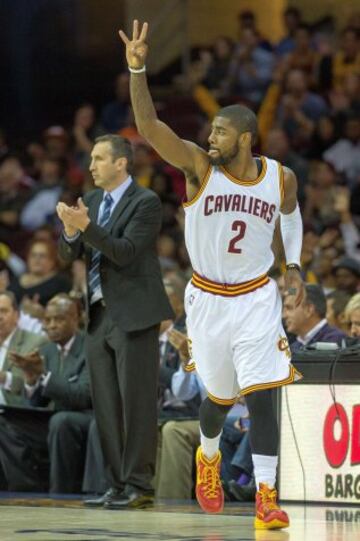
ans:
(10, 295)
(242, 118)
(120, 148)
(315, 295)
(340, 298)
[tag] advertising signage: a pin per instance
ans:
(324, 435)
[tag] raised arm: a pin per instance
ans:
(187, 156)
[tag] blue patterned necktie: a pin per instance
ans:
(94, 275)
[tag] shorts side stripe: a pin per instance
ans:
(222, 401)
(294, 375)
(190, 367)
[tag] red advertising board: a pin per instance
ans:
(323, 434)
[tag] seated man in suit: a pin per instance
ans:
(308, 320)
(12, 338)
(56, 378)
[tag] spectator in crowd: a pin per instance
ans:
(115, 114)
(323, 264)
(57, 145)
(217, 65)
(324, 136)
(251, 68)
(347, 59)
(15, 189)
(84, 133)
(41, 451)
(40, 209)
(247, 20)
(347, 275)
(299, 109)
(308, 320)
(336, 303)
(344, 155)
(42, 280)
(13, 339)
(348, 228)
(292, 19)
(303, 56)
(352, 314)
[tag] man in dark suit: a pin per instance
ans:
(56, 378)
(116, 227)
(12, 338)
(308, 320)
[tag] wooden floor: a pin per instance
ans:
(42, 519)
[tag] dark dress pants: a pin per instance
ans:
(123, 370)
(94, 472)
(39, 452)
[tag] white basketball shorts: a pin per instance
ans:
(237, 343)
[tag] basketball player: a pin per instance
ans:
(233, 307)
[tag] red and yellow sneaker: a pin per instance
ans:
(269, 515)
(209, 492)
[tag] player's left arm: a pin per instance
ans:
(292, 233)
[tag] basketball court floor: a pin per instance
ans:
(43, 519)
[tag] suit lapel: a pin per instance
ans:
(94, 207)
(121, 206)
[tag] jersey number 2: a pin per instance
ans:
(240, 227)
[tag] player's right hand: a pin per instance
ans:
(136, 48)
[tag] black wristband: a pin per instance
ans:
(292, 266)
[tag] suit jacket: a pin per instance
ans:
(69, 388)
(22, 342)
(130, 273)
(327, 333)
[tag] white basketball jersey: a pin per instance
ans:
(229, 225)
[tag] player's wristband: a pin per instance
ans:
(137, 70)
(292, 266)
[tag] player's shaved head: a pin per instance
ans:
(242, 119)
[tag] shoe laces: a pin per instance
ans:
(268, 499)
(211, 480)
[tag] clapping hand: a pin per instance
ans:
(74, 218)
(179, 341)
(32, 365)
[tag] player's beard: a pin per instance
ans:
(226, 158)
